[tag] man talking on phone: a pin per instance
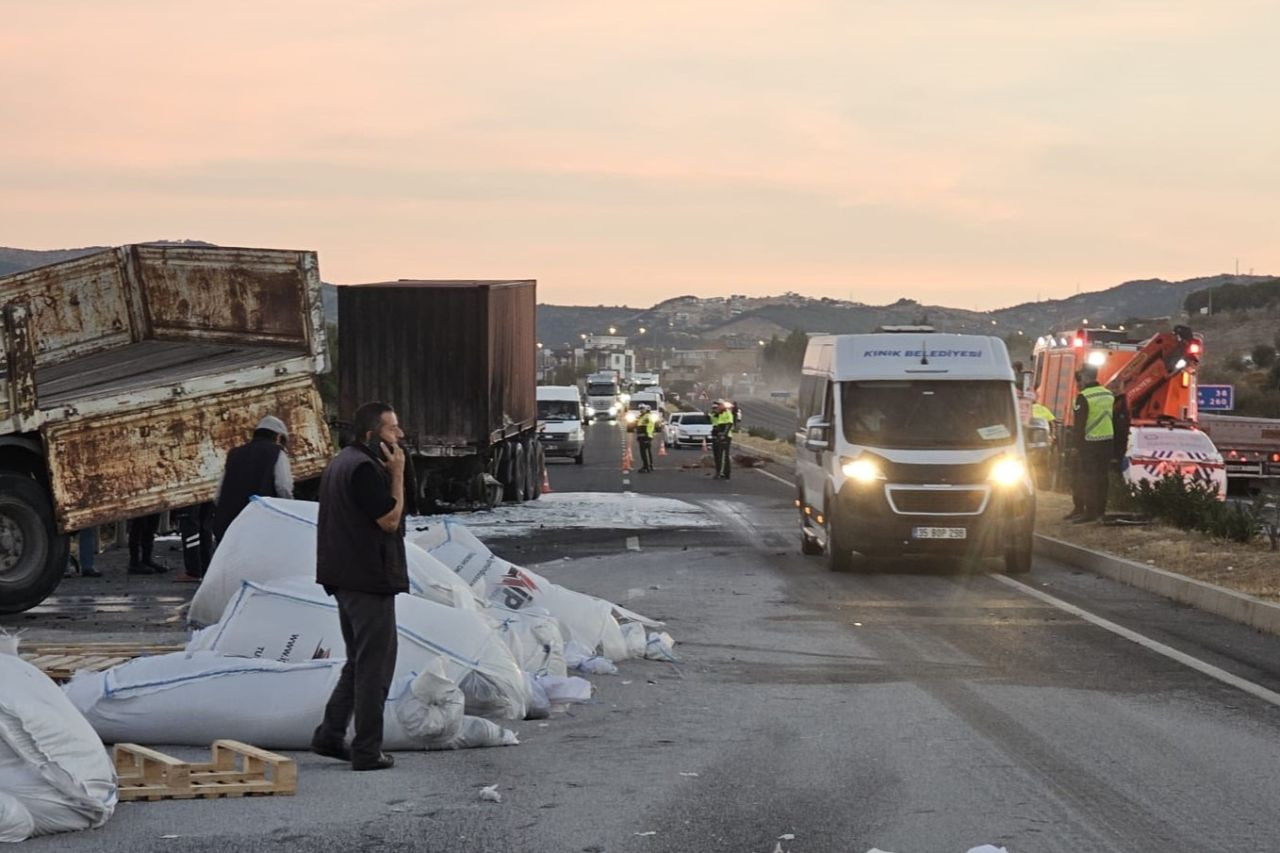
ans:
(360, 561)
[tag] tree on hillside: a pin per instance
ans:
(1264, 355)
(783, 357)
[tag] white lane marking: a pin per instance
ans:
(626, 481)
(633, 543)
(1148, 643)
(772, 476)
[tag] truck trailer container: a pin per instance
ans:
(457, 360)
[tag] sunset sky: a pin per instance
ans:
(975, 154)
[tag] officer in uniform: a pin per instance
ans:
(722, 424)
(1094, 440)
(645, 426)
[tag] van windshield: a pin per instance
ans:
(953, 414)
(696, 420)
(602, 389)
(558, 410)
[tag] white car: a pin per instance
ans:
(687, 429)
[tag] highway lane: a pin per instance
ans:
(914, 709)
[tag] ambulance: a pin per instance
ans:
(910, 443)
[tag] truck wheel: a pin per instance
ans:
(533, 479)
(519, 472)
(577, 460)
(33, 554)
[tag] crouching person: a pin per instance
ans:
(360, 561)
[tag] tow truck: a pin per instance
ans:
(1154, 383)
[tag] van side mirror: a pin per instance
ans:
(817, 433)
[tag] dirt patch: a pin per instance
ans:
(1251, 568)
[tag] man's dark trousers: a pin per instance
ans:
(1093, 469)
(646, 452)
(720, 445)
(369, 630)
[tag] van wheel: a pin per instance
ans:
(577, 460)
(809, 546)
(839, 549)
(1017, 561)
(33, 554)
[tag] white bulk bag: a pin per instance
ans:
(193, 699)
(16, 823)
(538, 635)
(296, 621)
(274, 538)
(51, 761)
(584, 618)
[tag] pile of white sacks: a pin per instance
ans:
(479, 640)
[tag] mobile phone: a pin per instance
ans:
(375, 447)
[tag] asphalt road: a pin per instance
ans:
(914, 709)
(771, 416)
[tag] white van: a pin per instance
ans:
(910, 443)
(560, 416)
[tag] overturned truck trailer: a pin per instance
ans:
(127, 376)
(457, 360)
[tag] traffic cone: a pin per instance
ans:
(546, 481)
(662, 448)
(704, 445)
(626, 459)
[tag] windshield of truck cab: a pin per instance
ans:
(957, 414)
(558, 410)
(602, 389)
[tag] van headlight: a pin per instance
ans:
(1008, 471)
(631, 417)
(613, 410)
(862, 470)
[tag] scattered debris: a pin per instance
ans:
(489, 794)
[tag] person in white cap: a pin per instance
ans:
(259, 467)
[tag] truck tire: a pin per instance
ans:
(33, 554)
(540, 470)
(533, 472)
(518, 472)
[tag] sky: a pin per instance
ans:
(974, 154)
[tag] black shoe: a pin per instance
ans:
(140, 569)
(340, 751)
(91, 573)
(1086, 519)
(382, 762)
(155, 566)
(1073, 515)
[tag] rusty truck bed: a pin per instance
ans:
(146, 365)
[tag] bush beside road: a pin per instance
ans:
(1251, 568)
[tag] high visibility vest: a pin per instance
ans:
(1098, 425)
(722, 423)
(1040, 410)
(648, 423)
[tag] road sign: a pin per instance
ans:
(1216, 398)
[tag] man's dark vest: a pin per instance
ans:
(352, 551)
(251, 470)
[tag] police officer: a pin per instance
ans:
(645, 426)
(1094, 439)
(722, 424)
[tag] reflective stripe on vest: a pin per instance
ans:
(1098, 425)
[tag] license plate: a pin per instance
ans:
(939, 533)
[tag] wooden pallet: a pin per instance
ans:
(60, 661)
(235, 770)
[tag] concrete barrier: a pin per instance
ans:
(1229, 604)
